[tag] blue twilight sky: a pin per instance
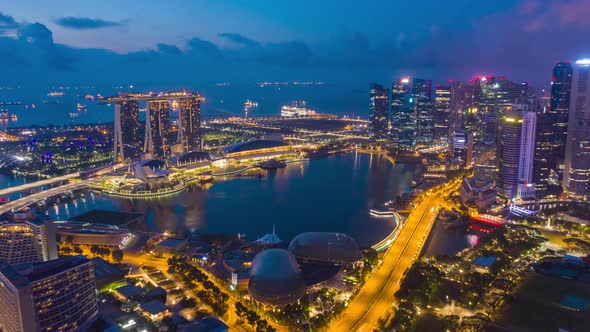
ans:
(209, 41)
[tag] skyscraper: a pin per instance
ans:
(378, 107)
(544, 147)
(57, 295)
(462, 99)
(412, 112)
(516, 151)
(442, 112)
(561, 82)
(158, 129)
(190, 124)
(127, 139)
(576, 176)
(27, 238)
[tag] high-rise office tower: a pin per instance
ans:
(543, 153)
(57, 295)
(27, 238)
(576, 175)
(127, 142)
(412, 112)
(158, 129)
(462, 100)
(516, 155)
(378, 107)
(561, 82)
(495, 98)
(442, 112)
(189, 133)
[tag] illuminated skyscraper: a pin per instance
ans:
(57, 295)
(462, 102)
(127, 138)
(561, 82)
(517, 147)
(576, 175)
(158, 129)
(543, 153)
(189, 133)
(412, 112)
(27, 238)
(442, 112)
(378, 107)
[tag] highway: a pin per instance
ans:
(36, 184)
(375, 299)
(33, 198)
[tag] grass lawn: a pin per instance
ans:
(536, 306)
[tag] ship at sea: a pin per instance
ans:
(82, 107)
(4, 115)
(298, 109)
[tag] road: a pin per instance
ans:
(36, 184)
(375, 298)
(33, 198)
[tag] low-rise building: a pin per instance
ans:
(479, 192)
(155, 310)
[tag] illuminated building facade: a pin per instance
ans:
(158, 129)
(412, 112)
(158, 136)
(57, 295)
(190, 124)
(378, 108)
(576, 176)
(561, 82)
(544, 147)
(462, 104)
(127, 138)
(27, 238)
(442, 112)
(516, 151)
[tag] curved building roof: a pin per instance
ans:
(253, 145)
(275, 278)
(325, 247)
(195, 156)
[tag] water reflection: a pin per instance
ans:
(328, 194)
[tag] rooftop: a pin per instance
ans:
(253, 145)
(129, 291)
(154, 307)
(20, 275)
(485, 261)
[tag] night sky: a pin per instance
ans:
(348, 40)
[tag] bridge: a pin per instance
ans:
(42, 195)
(378, 152)
(388, 240)
(544, 204)
(375, 298)
(37, 184)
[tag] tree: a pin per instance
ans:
(117, 255)
(94, 249)
(78, 250)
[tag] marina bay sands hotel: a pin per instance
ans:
(157, 142)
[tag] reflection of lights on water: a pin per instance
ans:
(473, 240)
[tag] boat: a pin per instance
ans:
(4, 115)
(55, 94)
(82, 107)
(73, 115)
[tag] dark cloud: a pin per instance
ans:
(239, 39)
(204, 48)
(292, 53)
(7, 22)
(85, 23)
(168, 49)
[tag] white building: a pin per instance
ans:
(27, 238)
(576, 177)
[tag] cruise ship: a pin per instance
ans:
(297, 109)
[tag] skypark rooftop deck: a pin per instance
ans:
(136, 96)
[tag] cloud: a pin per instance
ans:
(239, 39)
(7, 22)
(85, 23)
(204, 48)
(168, 49)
